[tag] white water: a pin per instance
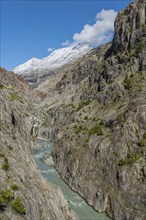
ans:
(80, 207)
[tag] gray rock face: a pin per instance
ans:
(111, 166)
(24, 194)
(130, 28)
(99, 109)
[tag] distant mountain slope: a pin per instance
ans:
(37, 70)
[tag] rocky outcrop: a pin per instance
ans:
(98, 106)
(130, 32)
(24, 194)
(130, 28)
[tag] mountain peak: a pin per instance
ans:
(37, 68)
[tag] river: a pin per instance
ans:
(78, 204)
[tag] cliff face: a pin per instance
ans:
(95, 112)
(24, 194)
(130, 28)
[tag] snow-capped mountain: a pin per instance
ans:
(37, 70)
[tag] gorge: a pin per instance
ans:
(94, 112)
(82, 210)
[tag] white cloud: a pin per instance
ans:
(99, 33)
(66, 43)
(50, 49)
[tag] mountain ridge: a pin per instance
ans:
(37, 70)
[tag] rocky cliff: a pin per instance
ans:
(130, 28)
(95, 112)
(24, 194)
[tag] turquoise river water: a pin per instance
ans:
(77, 203)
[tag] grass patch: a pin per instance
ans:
(142, 143)
(120, 118)
(94, 119)
(83, 104)
(129, 160)
(70, 105)
(5, 165)
(78, 129)
(14, 187)
(50, 112)
(87, 140)
(97, 129)
(127, 83)
(1, 86)
(17, 204)
(5, 196)
(129, 29)
(144, 136)
(141, 45)
(133, 53)
(15, 96)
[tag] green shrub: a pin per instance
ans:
(127, 83)
(94, 119)
(70, 105)
(141, 45)
(5, 196)
(15, 96)
(129, 160)
(5, 165)
(144, 135)
(133, 53)
(78, 129)
(14, 187)
(68, 152)
(97, 129)
(87, 140)
(17, 204)
(86, 117)
(132, 46)
(143, 25)
(129, 29)
(102, 122)
(142, 143)
(70, 139)
(82, 104)
(1, 86)
(120, 118)
(50, 112)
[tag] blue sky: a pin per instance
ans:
(30, 28)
